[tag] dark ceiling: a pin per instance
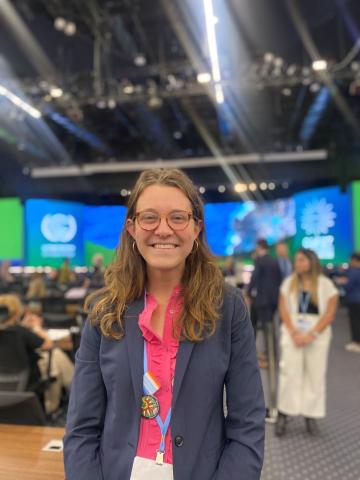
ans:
(130, 95)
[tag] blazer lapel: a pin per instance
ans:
(182, 361)
(135, 347)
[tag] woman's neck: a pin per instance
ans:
(161, 285)
(305, 281)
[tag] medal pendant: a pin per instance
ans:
(159, 458)
(150, 406)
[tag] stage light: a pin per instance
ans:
(202, 190)
(319, 65)
(204, 77)
(124, 192)
(221, 188)
(56, 92)
(240, 187)
(111, 103)
(252, 187)
(70, 29)
(269, 57)
(140, 60)
(263, 186)
(129, 89)
(271, 186)
(59, 23)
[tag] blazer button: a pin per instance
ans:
(179, 441)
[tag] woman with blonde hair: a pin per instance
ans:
(163, 338)
(307, 306)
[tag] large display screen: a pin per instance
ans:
(234, 227)
(323, 223)
(102, 228)
(11, 236)
(54, 231)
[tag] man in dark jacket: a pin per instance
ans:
(263, 289)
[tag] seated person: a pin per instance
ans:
(36, 288)
(34, 343)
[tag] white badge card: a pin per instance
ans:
(304, 324)
(144, 468)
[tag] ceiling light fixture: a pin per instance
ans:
(70, 29)
(221, 188)
(319, 65)
(202, 190)
(18, 102)
(56, 92)
(59, 23)
(203, 77)
(240, 187)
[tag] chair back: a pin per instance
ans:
(14, 362)
(21, 408)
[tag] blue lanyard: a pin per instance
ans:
(163, 426)
(304, 303)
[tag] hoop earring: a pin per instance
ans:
(133, 247)
(196, 243)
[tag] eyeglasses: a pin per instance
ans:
(176, 220)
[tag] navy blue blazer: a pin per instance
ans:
(104, 411)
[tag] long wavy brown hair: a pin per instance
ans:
(314, 273)
(125, 278)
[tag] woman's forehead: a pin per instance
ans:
(163, 197)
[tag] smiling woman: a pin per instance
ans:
(164, 338)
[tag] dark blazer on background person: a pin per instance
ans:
(104, 411)
(265, 281)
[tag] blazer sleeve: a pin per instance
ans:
(243, 454)
(85, 418)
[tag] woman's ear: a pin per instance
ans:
(130, 227)
(198, 227)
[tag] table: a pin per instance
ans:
(21, 457)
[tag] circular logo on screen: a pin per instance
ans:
(58, 227)
(318, 217)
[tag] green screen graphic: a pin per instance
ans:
(11, 237)
(356, 213)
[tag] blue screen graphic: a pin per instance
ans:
(234, 227)
(54, 231)
(103, 225)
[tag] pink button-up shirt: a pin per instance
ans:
(161, 355)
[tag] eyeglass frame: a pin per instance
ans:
(190, 215)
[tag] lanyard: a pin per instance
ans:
(304, 302)
(163, 426)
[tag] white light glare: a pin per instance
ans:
(202, 190)
(56, 92)
(221, 188)
(219, 94)
(210, 30)
(59, 23)
(203, 77)
(70, 29)
(252, 187)
(319, 65)
(271, 186)
(124, 192)
(19, 103)
(263, 186)
(240, 187)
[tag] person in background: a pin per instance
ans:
(96, 273)
(282, 255)
(65, 275)
(163, 338)
(263, 289)
(36, 288)
(307, 306)
(350, 282)
(6, 277)
(62, 368)
(27, 341)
